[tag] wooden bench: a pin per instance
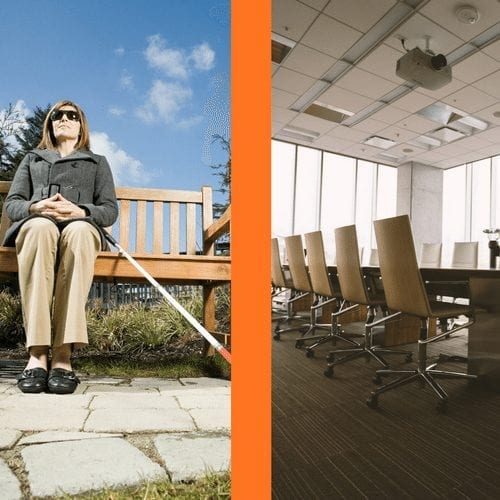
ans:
(182, 255)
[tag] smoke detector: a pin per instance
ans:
(467, 14)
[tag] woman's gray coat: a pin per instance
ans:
(82, 177)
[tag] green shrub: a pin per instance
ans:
(11, 320)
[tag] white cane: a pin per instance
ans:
(201, 329)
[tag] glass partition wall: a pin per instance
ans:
(314, 189)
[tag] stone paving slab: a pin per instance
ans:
(124, 401)
(189, 401)
(20, 400)
(56, 436)
(86, 465)
(50, 418)
(139, 420)
(8, 437)
(189, 457)
(212, 419)
(205, 382)
(155, 382)
(194, 390)
(99, 388)
(9, 485)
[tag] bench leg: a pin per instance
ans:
(209, 321)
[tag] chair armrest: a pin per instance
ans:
(218, 228)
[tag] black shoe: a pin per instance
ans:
(33, 380)
(62, 381)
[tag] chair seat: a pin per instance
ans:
(448, 309)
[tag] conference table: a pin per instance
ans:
(484, 295)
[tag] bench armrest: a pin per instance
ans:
(218, 228)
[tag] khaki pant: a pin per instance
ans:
(55, 276)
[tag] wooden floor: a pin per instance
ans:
(328, 444)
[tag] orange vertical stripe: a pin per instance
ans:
(250, 249)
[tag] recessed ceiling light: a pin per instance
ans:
(467, 14)
(379, 142)
(496, 114)
(280, 47)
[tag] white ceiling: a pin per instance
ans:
(325, 30)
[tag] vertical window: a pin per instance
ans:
(282, 187)
(337, 197)
(364, 204)
(387, 188)
(307, 190)
(454, 210)
(480, 206)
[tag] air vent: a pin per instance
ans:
(327, 112)
(446, 134)
(379, 142)
(280, 47)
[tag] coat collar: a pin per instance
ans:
(52, 156)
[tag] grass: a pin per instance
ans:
(122, 365)
(212, 487)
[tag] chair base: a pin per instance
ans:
(368, 351)
(425, 376)
(333, 335)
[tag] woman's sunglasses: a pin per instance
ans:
(59, 113)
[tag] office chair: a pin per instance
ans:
(405, 293)
(326, 291)
(354, 290)
(281, 284)
(430, 255)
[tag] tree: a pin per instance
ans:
(28, 136)
(10, 120)
(223, 172)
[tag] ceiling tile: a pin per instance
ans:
(490, 84)
(303, 59)
(413, 101)
(282, 98)
(492, 150)
(417, 28)
(474, 143)
(398, 134)
(474, 67)
(382, 62)
(360, 15)
(344, 99)
(316, 4)
(451, 150)
(291, 81)
(362, 151)
(283, 115)
(469, 100)
(430, 156)
(365, 83)
(312, 123)
(490, 135)
(493, 50)
(348, 134)
(291, 18)
(448, 89)
(443, 13)
(332, 143)
(390, 114)
(370, 125)
(330, 36)
(417, 123)
(408, 150)
(487, 114)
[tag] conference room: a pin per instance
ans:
(385, 173)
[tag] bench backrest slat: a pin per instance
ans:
(158, 227)
(124, 223)
(140, 226)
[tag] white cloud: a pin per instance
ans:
(119, 51)
(126, 80)
(190, 122)
(127, 171)
(176, 63)
(115, 111)
(171, 61)
(164, 101)
(203, 57)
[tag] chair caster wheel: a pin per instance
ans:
(372, 402)
(330, 358)
(328, 372)
(309, 353)
(377, 379)
(277, 336)
(408, 357)
(442, 406)
(299, 344)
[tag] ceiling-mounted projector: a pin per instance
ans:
(426, 70)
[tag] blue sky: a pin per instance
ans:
(152, 77)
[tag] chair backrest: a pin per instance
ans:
(403, 284)
(373, 259)
(297, 263)
(316, 263)
(352, 283)
(277, 273)
(430, 255)
(464, 254)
